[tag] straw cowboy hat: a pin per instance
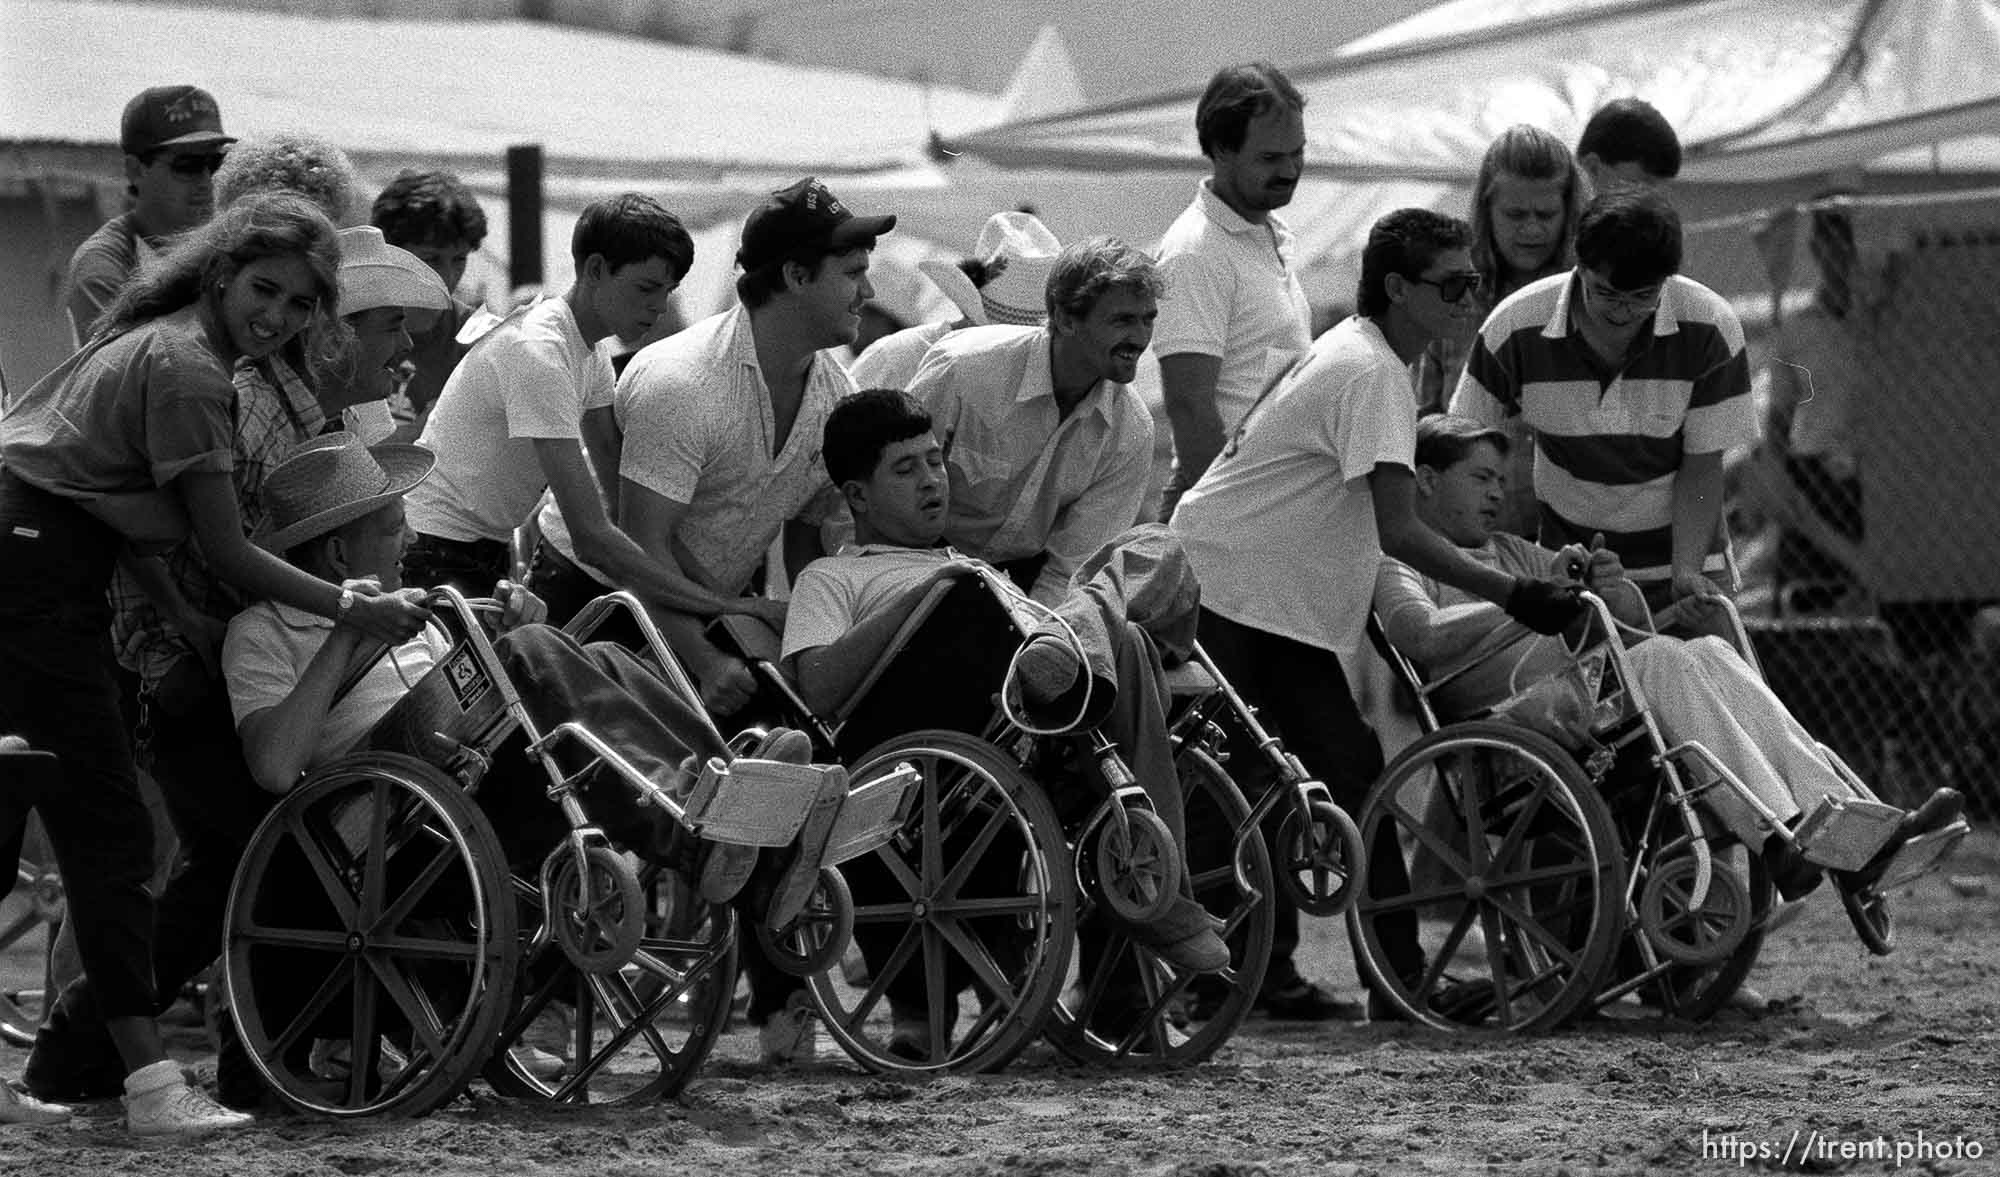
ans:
(1018, 252)
(374, 273)
(331, 481)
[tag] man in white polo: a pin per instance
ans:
(1235, 317)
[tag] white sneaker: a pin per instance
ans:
(18, 1107)
(165, 1105)
(791, 1034)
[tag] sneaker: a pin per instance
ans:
(159, 1102)
(17, 1107)
(1300, 1000)
(1186, 937)
(783, 743)
(790, 1035)
(1046, 669)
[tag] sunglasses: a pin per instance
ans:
(1453, 287)
(194, 167)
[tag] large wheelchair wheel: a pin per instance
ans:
(30, 916)
(966, 918)
(632, 1035)
(371, 940)
(1123, 1003)
(1533, 860)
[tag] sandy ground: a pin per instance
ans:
(1851, 1053)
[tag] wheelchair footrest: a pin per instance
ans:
(1843, 833)
(1921, 855)
(756, 802)
(871, 815)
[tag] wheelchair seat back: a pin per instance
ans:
(460, 705)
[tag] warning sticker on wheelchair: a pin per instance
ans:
(462, 674)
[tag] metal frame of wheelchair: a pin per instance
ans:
(1041, 949)
(379, 955)
(35, 903)
(1588, 881)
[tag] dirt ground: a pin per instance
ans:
(1851, 1054)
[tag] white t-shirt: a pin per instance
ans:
(892, 361)
(530, 377)
(1281, 529)
(698, 429)
(1232, 293)
(836, 593)
(266, 654)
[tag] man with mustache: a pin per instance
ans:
(173, 142)
(1235, 317)
(1635, 383)
(1050, 451)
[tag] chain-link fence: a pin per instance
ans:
(1865, 524)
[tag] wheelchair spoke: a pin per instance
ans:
(1518, 831)
(375, 867)
(974, 952)
(316, 938)
(1371, 906)
(338, 978)
(315, 852)
(899, 960)
(364, 1046)
(427, 949)
(1533, 928)
(1541, 874)
(444, 859)
(1429, 839)
(971, 856)
(995, 905)
(416, 1007)
(1475, 815)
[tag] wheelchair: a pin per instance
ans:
(1590, 880)
(379, 954)
(999, 907)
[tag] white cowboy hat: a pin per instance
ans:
(333, 480)
(374, 273)
(1018, 252)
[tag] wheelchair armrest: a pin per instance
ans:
(750, 638)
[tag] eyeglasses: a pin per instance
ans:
(194, 167)
(1641, 302)
(1453, 287)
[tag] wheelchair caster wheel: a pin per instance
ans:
(1868, 911)
(1686, 936)
(1138, 866)
(816, 940)
(599, 921)
(1319, 864)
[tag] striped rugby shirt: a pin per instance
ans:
(1608, 445)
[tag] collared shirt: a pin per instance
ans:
(531, 377)
(99, 269)
(1025, 479)
(1281, 529)
(1607, 450)
(1232, 293)
(271, 419)
(699, 429)
(892, 361)
(267, 652)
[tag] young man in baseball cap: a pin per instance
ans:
(173, 143)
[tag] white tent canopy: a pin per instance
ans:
(1759, 89)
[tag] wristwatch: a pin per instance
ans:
(346, 605)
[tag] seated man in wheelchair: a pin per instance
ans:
(336, 509)
(1700, 691)
(1092, 660)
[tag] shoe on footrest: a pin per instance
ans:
(1938, 810)
(1792, 873)
(725, 867)
(795, 887)
(1186, 937)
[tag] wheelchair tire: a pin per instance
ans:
(598, 931)
(635, 1035)
(1321, 863)
(1138, 867)
(1695, 993)
(1234, 883)
(1541, 873)
(372, 903)
(1695, 938)
(29, 917)
(975, 821)
(1868, 911)
(818, 938)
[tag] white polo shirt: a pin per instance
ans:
(1232, 293)
(1281, 529)
(530, 377)
(698, 429)
(1025, 480)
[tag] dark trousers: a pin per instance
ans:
(1301, 694)
(470, 566)
(57, 689)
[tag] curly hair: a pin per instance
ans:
(261, 225)
(428, 208)
(289, 162)
(1087, 270)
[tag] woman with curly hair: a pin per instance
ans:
(289, 161)
(128, 442)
